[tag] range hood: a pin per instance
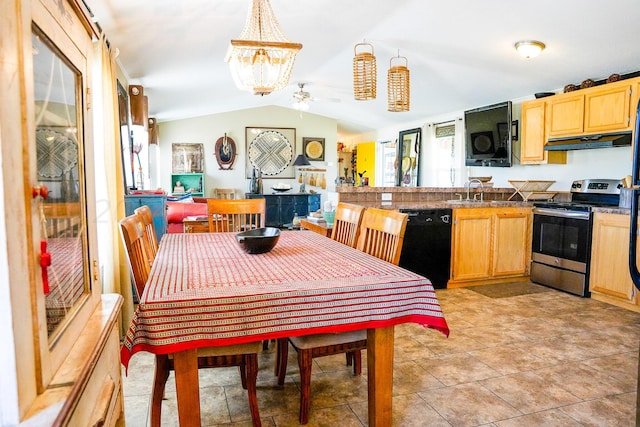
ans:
(615, 139)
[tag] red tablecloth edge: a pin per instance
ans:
(437, 323)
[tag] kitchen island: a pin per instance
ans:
(490, 235)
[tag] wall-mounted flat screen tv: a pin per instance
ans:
(488, 135)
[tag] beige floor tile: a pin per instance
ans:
(550, 418)
(529, 392)
(618, 411)
(469, 404)
(458, 368)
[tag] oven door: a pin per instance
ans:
(560, 249)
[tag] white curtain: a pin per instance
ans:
(109, 180)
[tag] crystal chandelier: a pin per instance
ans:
(261, 60)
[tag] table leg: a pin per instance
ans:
(185, 364)
(380, 375)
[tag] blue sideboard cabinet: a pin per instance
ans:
(158, 205)
(280, 208)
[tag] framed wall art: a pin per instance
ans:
(187, 158)
(271, 151)
(313, 148)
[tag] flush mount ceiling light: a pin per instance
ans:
(529, 48)
(364, 73)
(261, 60)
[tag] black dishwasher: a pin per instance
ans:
(427, 244)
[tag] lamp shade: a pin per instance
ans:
(301, 160)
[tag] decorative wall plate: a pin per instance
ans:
(271, 151)
(313, 148)
(225, 150)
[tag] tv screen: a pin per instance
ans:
(488, 135)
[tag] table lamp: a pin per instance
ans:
(301, 160)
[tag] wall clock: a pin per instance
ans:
(271, 151)
(225, 150)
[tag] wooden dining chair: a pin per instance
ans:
(151, 241)
(245, 356)
(235, 215)
(224, 193)
(381, 235)
(346, 225)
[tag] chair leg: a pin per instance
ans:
(349, 356)
(281, 359)
(243, 374)
(251, 365)
(304, 364)
(159, 380)
(357, 362)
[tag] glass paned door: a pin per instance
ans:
(61, 179)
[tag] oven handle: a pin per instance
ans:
(562, 213)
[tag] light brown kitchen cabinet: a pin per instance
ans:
(534, 136)
(610, 280)
(598, 109)
(490, 245)
(606, 109)
(566, 114)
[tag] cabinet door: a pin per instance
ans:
(471, 249)
(511, 242)
(566, 115)
(534, 136)
(64, 218)
(272, 209)
(607, 109)
(314, 202)
(609, 257)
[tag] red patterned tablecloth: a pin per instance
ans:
(204, 291)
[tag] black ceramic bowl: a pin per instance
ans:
(259, 240)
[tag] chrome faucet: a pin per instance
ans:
(469, 188)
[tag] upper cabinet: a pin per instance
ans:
(566, 114)
(607, 109)
(534, 136)
(603, 108)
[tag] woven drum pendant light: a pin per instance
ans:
(398, 87)
(261, 60)
(364, 73)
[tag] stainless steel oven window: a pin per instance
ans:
(565, 238)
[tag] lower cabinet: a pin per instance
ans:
(609, 275)
(158, 205)
(281, 208)
(490, 245)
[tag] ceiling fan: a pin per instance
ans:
(301, 98)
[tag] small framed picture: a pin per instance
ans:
(313, 148)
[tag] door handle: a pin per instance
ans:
(45, 262)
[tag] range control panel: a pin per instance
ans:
(599, 186)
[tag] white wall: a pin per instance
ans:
(609, 163)
(207, 130)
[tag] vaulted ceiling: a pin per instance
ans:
(460, 53)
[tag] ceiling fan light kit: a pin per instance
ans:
(529, 48)
(364, 73)
(262, 59)
(398, 86)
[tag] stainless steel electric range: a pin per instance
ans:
(561, 246)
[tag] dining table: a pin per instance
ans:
(204, 290)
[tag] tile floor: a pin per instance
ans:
(529, 357)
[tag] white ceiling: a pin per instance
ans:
(460, 52)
